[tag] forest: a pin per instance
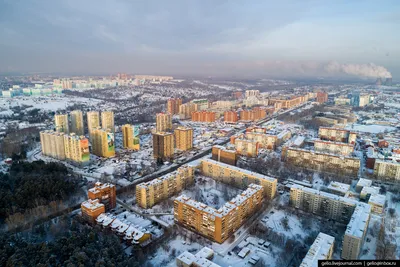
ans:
(32, 184)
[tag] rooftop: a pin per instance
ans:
(377, 200)
(92, 204)
(359, 220)
(339, 187)
(319, 250)
(364, 182)
(201, 258)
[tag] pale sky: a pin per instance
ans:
(215, 37)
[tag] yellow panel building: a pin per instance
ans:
(61, 123)
(93, 121)
(103, 143)
(77, 122)
(107, 120)
(183, 138)
(130, 138)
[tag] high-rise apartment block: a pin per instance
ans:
(163, 145)
(173, 105)
(163, 122)
(344, 149)
(103, 143)
(61, 123)
(220, 153)
(247, 115)
(346, 210)
(321, 249)
(77, 148)
(77, 122)
(245, 147)
(322, 97)
(337, 135)
(150, 193)
(52, 144)
(183, 138)
(105, 193)
(107, 120)
(93, 121)
(322, 161)
(91, 209)
(201, 104)
(186, 110)
(387, 170)
(252, 93)
(130, 138)
(218, 225)
(237, 95)
(238, 177)
(203, 116)
(230, 116)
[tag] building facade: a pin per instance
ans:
(52, 144)
(230, 116)
(150, 193)
(186, 110)
(130, 137)
(322, 97)
(173, 105)
(77, 149)
(103, 143)
(204, 116)
(221, 154)
(91, 209)
(337, 135)
(387, 170)
(245, 147)
(61, 123)
(183, 138)
(321, 161)
(93, 121)
(105, 193)
(77, 122)
(238, 177)
(163, 122)
(321, 249)
(163, 145)
(334, 147)
(218, 225)
(107, 120)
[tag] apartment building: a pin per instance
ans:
(200, 259)
(230, 116)
(186, 110)
(322, 97)
(218, 225)
(245, 147)
(201, 104)
(91, 209)
(107, 120)
(204, 116)
(255, 114)
(256, 129)
(103, 143)
(322, 161)
(326, 121)
(355, 214)
(321, 249)
(387, 170)
(173, 105)
(247, 115)
(221, 154)
(77, 149)
(288, 103)
(343, 149)
(163, 122)
(356, 231)
(93, 121)
(237, 95)
(337, 135)
(252, 93)
(377, 203)
(77, 122)
(61, 123)
(105, 193)
(130, 137)
(238, 177)
(264, 140)
(183, 138)
(163, 145)
(150, 193)
(52, 144)
(322, 203)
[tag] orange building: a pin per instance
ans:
(105, 193)
(91, 209)
(322, 97)
(247, 115)
(237, 95)
(220, 153)
(203, 116)
(259, 113)
(230, 116)
(173, 105)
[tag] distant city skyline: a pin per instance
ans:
(218, 38)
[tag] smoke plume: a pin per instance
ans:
(363, 70)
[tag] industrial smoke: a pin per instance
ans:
(363, 70)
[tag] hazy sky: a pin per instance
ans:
(293, 37)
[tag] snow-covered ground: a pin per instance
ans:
(370, 128)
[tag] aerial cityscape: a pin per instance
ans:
(202, 160)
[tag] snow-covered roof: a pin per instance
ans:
(371, 190)
(364, 182)
(201, 259)
(160, 180)
(92, 204)
(359, 220)
(377, 199)
(319, 250)
(339, 187)
(243, 171)
(323, 153)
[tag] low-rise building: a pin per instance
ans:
(321, 249)
(200, 259)
(338, 188)
(369, 191)
(377, 203)
(237, 176)
(218, 225)
(362, 182)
